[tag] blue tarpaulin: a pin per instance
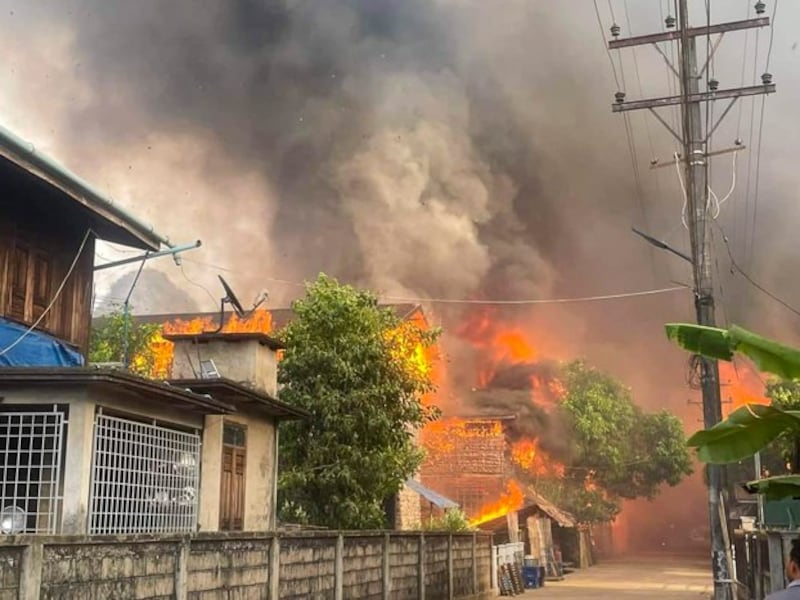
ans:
(37, 349)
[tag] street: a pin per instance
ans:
(654, 578)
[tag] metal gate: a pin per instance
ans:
(145, 478)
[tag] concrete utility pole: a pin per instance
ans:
(694, 138)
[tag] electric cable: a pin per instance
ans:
(750, 280)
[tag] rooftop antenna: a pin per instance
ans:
(231, 298)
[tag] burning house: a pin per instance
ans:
(101, 451)
(466, 460)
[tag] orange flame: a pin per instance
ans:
(445, 435)
(741, 385)
(526, 455)
(511, 500)
(420, 358)
(260, 321)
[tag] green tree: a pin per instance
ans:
(356, 368)
(618, 451)
(108, 342)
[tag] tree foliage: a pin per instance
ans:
(618, 451)
(108, 342)
(454, 520)
(750, 429)
(359, 372)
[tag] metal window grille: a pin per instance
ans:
(30, 466)
(145, 478)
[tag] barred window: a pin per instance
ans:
(145, 478)
(30, 470)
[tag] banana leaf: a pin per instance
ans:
(746, 431)
(768, 355)
(775, 488)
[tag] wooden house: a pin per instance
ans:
(50, 219)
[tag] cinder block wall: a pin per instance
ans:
(220, 566)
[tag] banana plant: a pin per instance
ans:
(750, 428)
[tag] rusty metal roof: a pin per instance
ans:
(563, 518)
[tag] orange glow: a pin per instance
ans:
(445, 435)
(260, 321)
(514, 346)
(523, 453)
(527, 455)
(741, 385)
(511, 500)
(162, 351)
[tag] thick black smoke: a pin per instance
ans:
(423, 147)
(433, 148)
(536, 409)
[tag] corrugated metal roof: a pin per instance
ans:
(561, 517)
(431, 496)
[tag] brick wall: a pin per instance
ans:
(466, 461)
(409, 513)
(218, 566)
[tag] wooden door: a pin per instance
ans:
(234, 461)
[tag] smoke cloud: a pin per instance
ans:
(425, 148)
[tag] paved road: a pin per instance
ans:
(632, 579)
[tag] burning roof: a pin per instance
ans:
(524, 499)
(279, 317)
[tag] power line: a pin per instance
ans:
(465, 300)
(608, 52)
(761, 134)
(198, 285)
(539, 301)
(60, 289)
(750, 280)
(747, 240)
(772, 32)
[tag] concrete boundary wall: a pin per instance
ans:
(245, 566)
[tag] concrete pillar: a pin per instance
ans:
(78, 468)
(275, 568)
(421, 570)
(493, 569)
(386, 560)
(450, 595)
(475, 584)
(30, 582)
(210, 474)
(182, 569)
(338, 569)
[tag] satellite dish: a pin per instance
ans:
(231, 298)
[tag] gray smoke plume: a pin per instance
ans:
(151, 293)
(537, 412)
(431, 148)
